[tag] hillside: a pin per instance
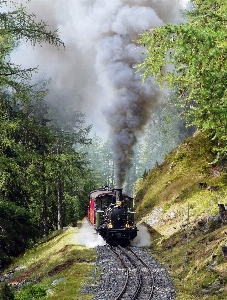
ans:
(56, 268)
(178, 201)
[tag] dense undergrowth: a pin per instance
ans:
(178, 200)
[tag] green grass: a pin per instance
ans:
(58, 257)
(173, 187)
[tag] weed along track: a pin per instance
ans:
(129, 274)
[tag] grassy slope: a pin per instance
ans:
(58, 258)
(163, 201)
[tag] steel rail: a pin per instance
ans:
(149, 271)
(139, 273)
(119, 296)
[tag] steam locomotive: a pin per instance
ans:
(112, 214)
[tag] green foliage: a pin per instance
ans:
(166, 130)
(66, 164)
(191, 57)
(31, 292)
(16, 231)
(17, 25)
(100, 158)
(162, 202)
(42, 172)
(6, 292)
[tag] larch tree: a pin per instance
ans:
(17, 139)
(190, 57)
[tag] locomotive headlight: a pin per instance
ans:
(127, 225)
(119, 203)
(110, 225)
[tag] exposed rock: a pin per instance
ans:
(57, 281)
(213, 223)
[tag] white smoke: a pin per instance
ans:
(143, 238)
(88, 237)
(95, 70)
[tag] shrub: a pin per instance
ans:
(6, 292)
(31, 292)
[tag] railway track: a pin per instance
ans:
(139, 282)
(130, 274)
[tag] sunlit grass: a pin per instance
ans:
(193, 257)
(71, 287)
(59, 258)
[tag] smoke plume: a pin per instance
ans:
(95, 70)
(143, 238)
(88, 237)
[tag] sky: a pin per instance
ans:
(95, 72)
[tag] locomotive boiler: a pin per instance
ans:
(112, 214)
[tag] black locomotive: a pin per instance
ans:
(112, 214)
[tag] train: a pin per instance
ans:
(111, 212)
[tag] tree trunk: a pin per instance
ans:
(59, 192)
(44, 200)
(60, 203)
(44, 212)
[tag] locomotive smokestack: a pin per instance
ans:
(118, 194)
